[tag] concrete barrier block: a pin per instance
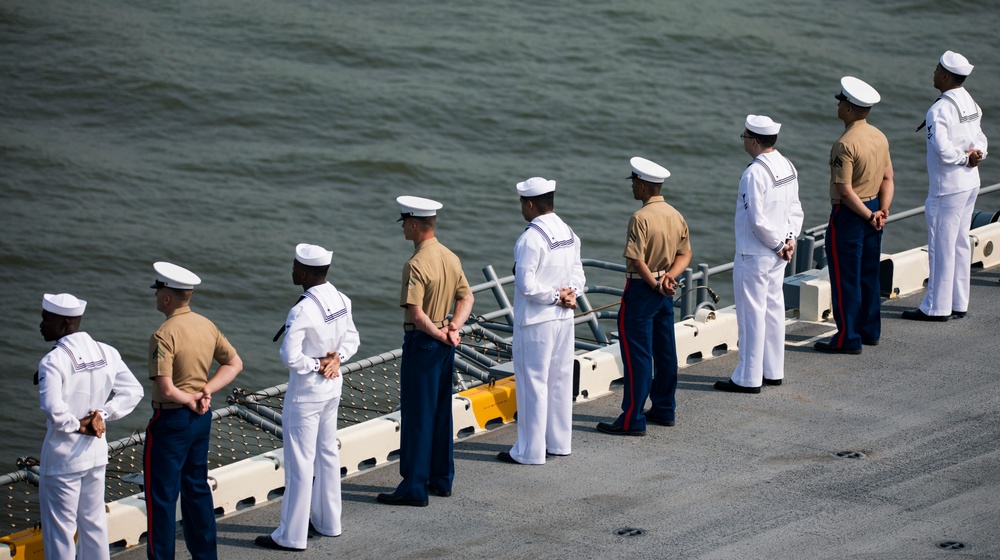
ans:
(706, 335)
(986, 245)
(369, 443)
(792, 286)
(904, 273)
(594, 371)
(463, 416)
(127, 519)
(815, 299)
(250, 479)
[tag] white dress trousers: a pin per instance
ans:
(949, 252)
(768, 212)
(760, 318)
(319, 323)
(546, 259)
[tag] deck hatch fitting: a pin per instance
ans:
(951, 545)
(850, 454)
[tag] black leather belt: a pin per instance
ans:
(407, 327)
(863, 199)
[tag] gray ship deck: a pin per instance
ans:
(739, 476)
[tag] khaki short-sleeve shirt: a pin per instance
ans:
(183, 349)
(657, 233)
(859, 158)
(433, 279)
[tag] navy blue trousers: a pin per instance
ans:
(175, 461)
(426, 440)
(646, 328)
(853, 250)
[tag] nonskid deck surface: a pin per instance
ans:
(739, 476)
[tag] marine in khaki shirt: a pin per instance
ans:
(432, 282)
(658, 249)
(175, 454)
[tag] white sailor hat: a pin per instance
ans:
(169, 275)
(535, 186)
(956, 63)
(648, 171)
(312, 255)
(65, 305)
(857, 92)
(416, 207)
(762, 124)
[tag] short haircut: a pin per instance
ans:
(182, 296)
(958, 78)
(766, 140)
(425, 222)
(544, 202)
(318, 271)
(863, 111)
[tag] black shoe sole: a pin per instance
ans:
(616, 431)
(439, 492)
(393, 500)
(265, 541)
(776, 382)
(822, 347)
(657, 420)
(918, 315)
(730, 387)
(504, 457)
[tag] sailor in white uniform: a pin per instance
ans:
(955, 147)
(319, 336)
(74, 382)
(768, 219)
(548, 276)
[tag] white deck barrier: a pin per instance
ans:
(229, 482)
(368, 444)
(904, 273)
(986, 245)
(597, 369)
(127, 519)
(709, 333)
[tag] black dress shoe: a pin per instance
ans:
(394, 499)
(313, 529)
(918, 315)
(439, 492)
(730, 387)
(504, 457)
(617, 430)
(774, 381)
(267, 542)
(831, 349)
(659, 420)
(958, 314)
(551, 454)
(869, 341)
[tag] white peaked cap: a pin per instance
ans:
(417, 207)
(648, 171)
(956, 63)
(535, 186)
(762, 124)
(857, 92)
(312, 255)
(66, 305)
(169, 275)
